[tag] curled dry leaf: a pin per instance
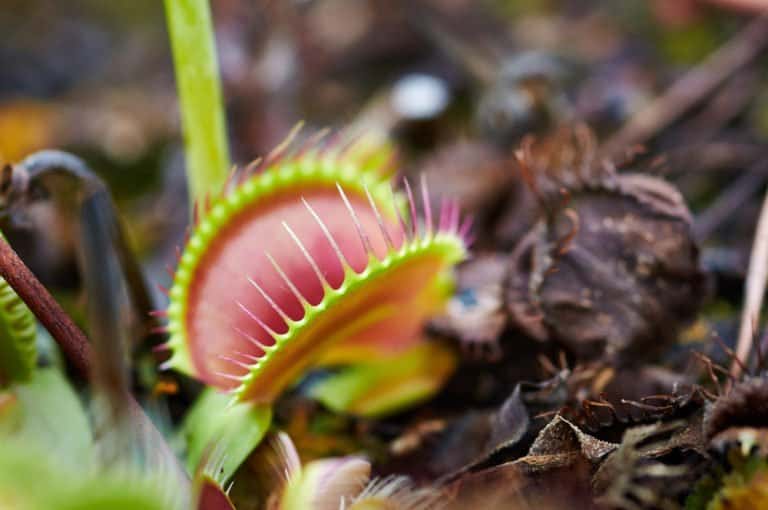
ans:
(448, 449)
(511, 487)
(554, 474)
(562, 438)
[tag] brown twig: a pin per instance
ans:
(754, 291)
(730, 200)
(70, 338)
(714, 156)
(729, 101)
(694, 86)
(742, 5)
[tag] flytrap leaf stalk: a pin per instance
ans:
(200, 100)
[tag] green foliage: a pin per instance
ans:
(31, 479)
(712, 491)
(45, 422)
(214, 422)
(690, 44)
(18, 355)
(387, 386)
(704, 491)
(51, 416)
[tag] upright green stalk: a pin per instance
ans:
(202, 111)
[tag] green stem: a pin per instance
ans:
(202, 111)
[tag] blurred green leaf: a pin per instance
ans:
(52, 416)
(232, 429)
(30, 479)
(18, 330)
(690, 44)
(389, 385)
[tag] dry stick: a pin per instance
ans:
(72, 341)
(712, 156)
(692, 87)
(743, 5)
(754, 291)
(730, 200)
(728, 102)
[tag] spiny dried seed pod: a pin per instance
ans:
(745, 406)
(306, 262)
(611, 268)
(735, 427)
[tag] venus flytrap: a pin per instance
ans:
(210, 479)
(301, 261)
(307, 260)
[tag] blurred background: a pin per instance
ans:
(454, 84)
